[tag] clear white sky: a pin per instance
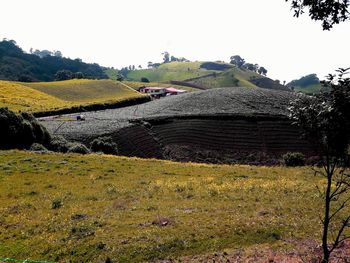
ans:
(124, 32)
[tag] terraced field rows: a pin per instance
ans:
(230, 121)
(137, 141)
(270, 137)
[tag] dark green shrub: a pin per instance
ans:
(20, 131)
(37, 147)
(145, 80)
(78, 148)
(293, 159)
(40, 133)
(56, 203)
(59, 144)
(105, 145)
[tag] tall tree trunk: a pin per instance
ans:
(326, 252)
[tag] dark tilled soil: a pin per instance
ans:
(215, 126)
(216, 102)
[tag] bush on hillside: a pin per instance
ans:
(105, 145)
(39, 131)
(215, 66)
(293, 159)
(78, 148)
(304, 81)
(20, 131)
(59, 144)
(37, 147)
(145, 80)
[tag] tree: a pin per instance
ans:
(330, 12)
(237, 61)
(40, 67)
(166, 57)
(124, 71)
(250, 66)
(63, 75)
(325, 121)
(57, 53)
(78, 75)
(262, 71)
(144, 79)
(42, 53)
(120, 77)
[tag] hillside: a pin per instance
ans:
(205, 75)
(137, 210)
(307, 84)
(17, 65)
(49, 96)
(85, 91)
(223, 125)
(18, 97)
(169, 71)
(136, 85)
(310, 89)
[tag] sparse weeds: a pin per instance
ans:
(111, 189)
(56, 203)
(213, 192)
(179, 188)
(79, 232)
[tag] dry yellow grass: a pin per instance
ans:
(88, 208)
(18, 97)
(46, 96)
(86, 91)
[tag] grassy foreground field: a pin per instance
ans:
(46, 96)
(89, 208)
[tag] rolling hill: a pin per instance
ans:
(50, 96)
(136, 85)
(18, 97)
(216, 75)
(85, 91)
(307, 84)
(310, 89)
(227, 125)
(169, 71)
